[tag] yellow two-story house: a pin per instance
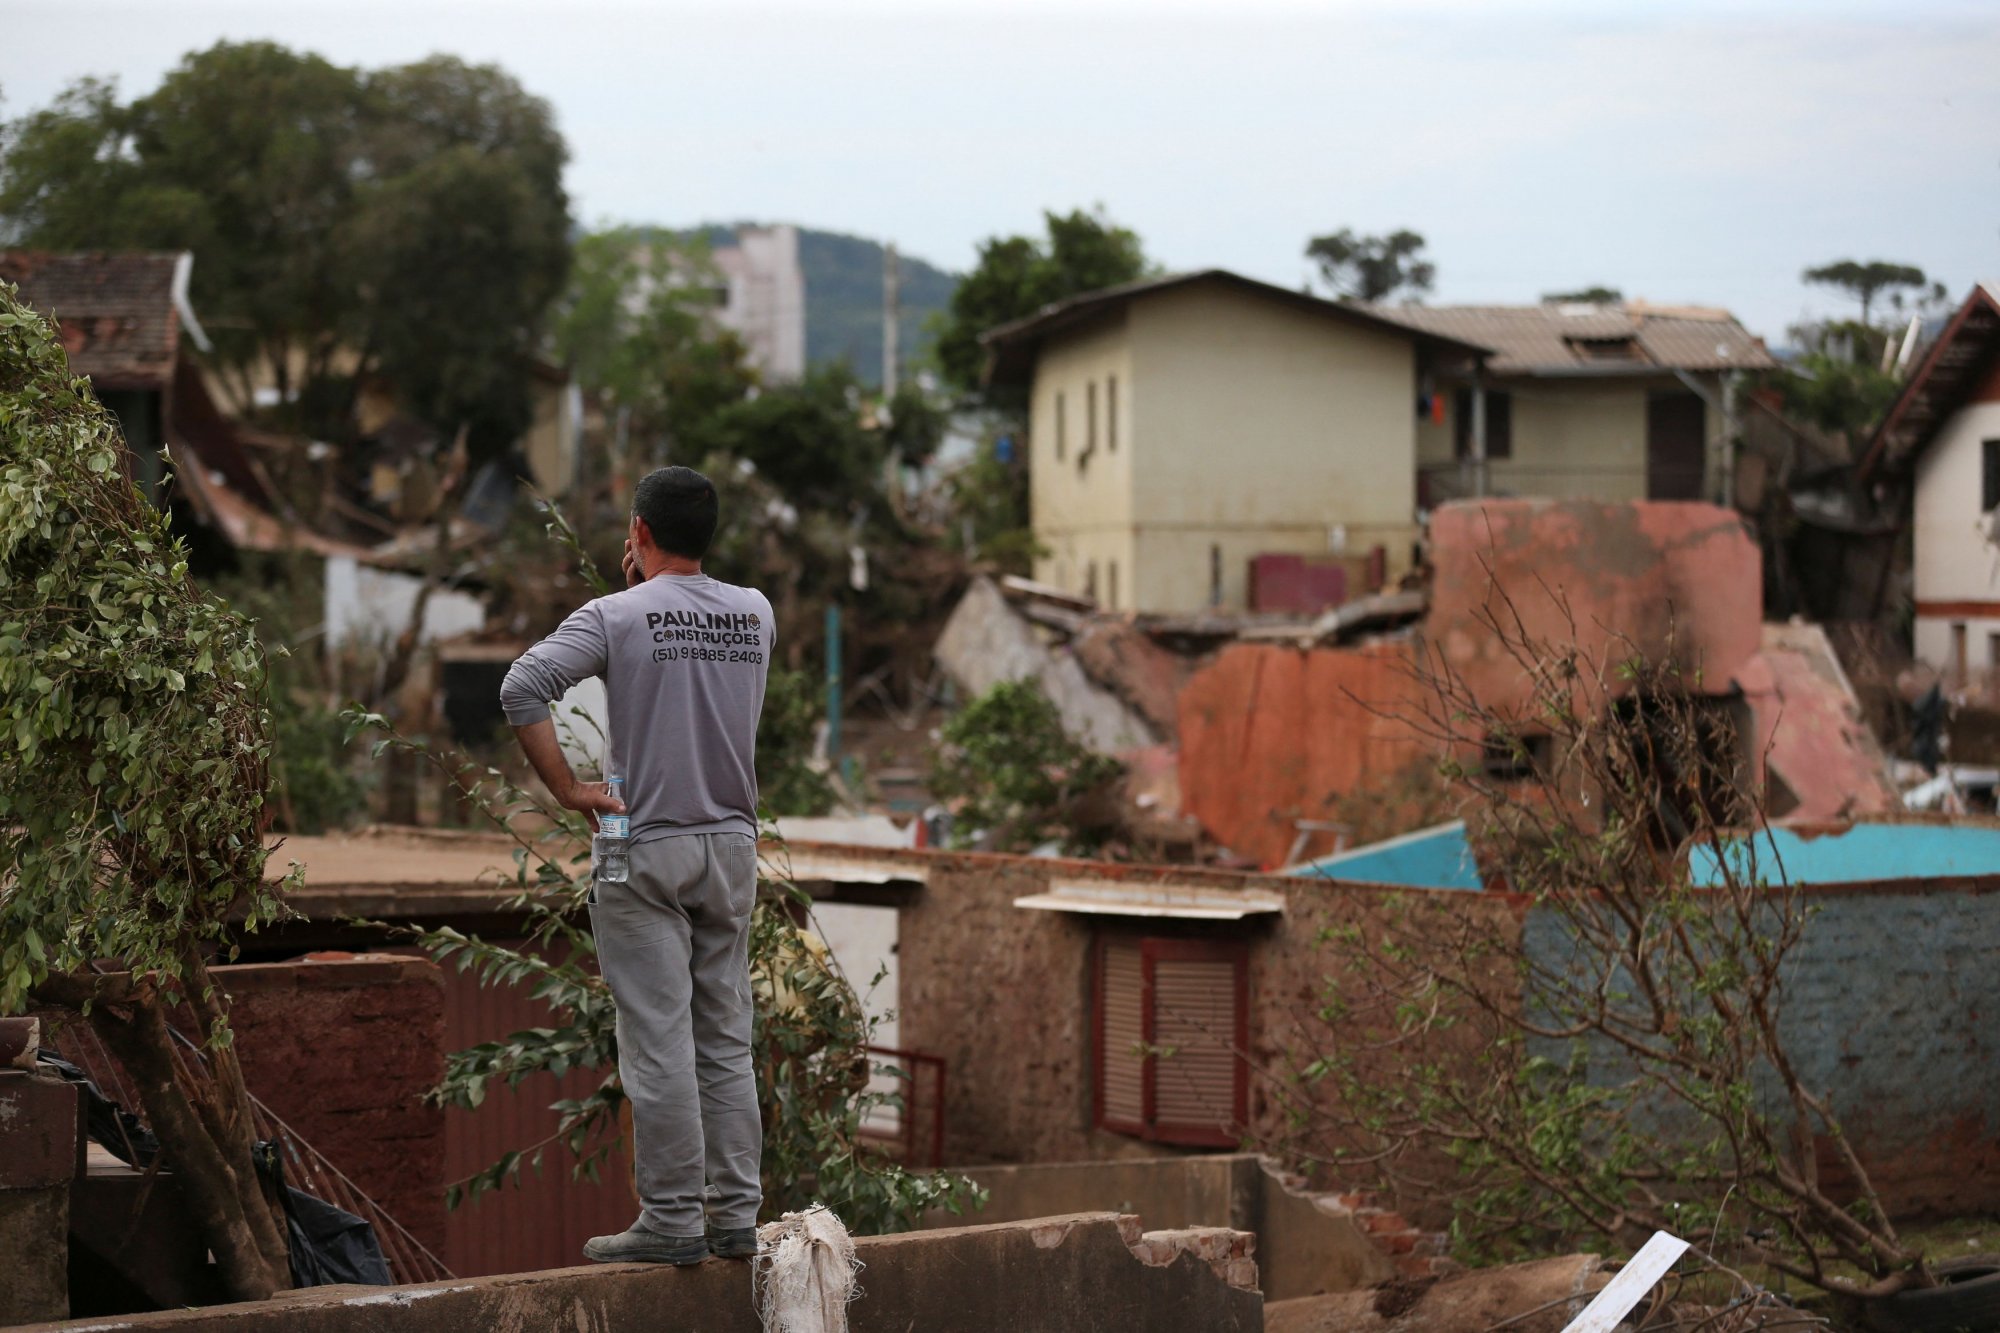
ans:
(1181, 427)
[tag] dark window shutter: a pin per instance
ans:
(1172, 1023)
(1121, 1098)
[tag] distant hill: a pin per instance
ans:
(844, 299)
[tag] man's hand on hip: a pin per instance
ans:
(591, 799)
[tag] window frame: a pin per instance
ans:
(1154, 949)
(1989, 475)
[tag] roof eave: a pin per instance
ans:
(1017, 338)
(1875, 455)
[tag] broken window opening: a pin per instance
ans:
(1685, 759)
(1513, 757)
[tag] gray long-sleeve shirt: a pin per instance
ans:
(684, 659)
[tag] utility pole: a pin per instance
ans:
(891, 309)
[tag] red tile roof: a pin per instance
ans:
(115, 309)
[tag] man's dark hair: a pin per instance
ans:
(678, 506)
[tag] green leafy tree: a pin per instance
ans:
(1372, 268)
(807, 439)
(990, 497)
(244, 154)
(1083, 251)
(1864, 281)
(131, 805)
(1015, 779)
(636, 327)
(1838, 393)
(787, 782)
(409, 222)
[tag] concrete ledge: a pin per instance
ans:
(1306, 1243)
(1082, 1272)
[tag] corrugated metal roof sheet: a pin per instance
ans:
(1544, 339)
(116, 311)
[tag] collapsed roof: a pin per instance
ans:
(120, 314)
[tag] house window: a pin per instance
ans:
(1989, 476)
(1089, 426)
(1993, 654)
(1111, 584)
(1111, 414)
(1062, 426)
(1090, 580)
(1958, 652)
(1172, 1025)
(1215, 575)
(1499, 424)
(1515, 758)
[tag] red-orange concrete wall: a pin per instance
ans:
(1673, 581)
(1271, 735)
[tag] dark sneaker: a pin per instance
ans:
(736, 1244)
(640, 1246)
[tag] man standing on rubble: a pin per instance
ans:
(684, 659)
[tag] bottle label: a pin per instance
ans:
(615, 826)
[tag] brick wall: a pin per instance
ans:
(1003, 994)
(1884, 1006)
(342, 1047)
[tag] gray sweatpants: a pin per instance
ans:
(674, 943)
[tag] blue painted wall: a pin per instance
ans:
(1434, 858)
(1865, 852)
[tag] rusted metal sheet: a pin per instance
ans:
(543, 1222)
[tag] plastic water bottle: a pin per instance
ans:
(611, 848)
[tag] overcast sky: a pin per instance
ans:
(1695, 151)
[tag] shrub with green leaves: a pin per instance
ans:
(1016, 778)
(133, 703)
(131, 802)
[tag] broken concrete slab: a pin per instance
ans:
(1538, 1297)
(1306, 1242)
(987, 642)
(1810, 732)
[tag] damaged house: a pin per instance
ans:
(1260, 729)
(1209, 441)
(122, 317)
